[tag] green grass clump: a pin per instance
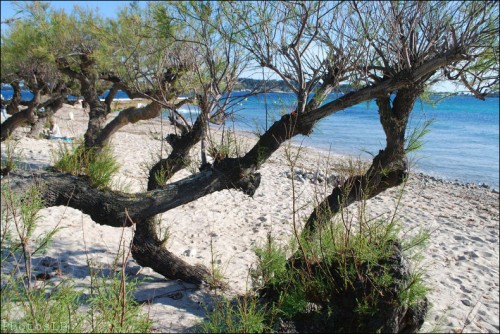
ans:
(335, 262)
(11, 160)
(99, 166)
(245, 315)
(112, 307)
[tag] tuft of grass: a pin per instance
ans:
(227, 147)
(244, 315)
(271, 264)
(216, 279)
(112, 306)
(99, 166)
(12, 154)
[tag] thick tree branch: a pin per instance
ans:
(108, 207)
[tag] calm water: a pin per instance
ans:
(463, 143)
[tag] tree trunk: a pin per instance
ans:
(108, 207)
(20, 118)
(51, 107)
(127, 116)
(147, 248)
(178, 158)
(388, 168)
(148, 251)
(118, 209)
(13, 106)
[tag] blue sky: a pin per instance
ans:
(9, 9)
(106, 8)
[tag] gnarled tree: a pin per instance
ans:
(387, 56)
(27, 60)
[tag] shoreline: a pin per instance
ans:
(416, 172)
(248, 135)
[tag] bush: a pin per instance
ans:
(345, 278)
(11, 159)
(245, 315)
(99, 166)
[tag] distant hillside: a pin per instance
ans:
(261, 85)
(272, 85)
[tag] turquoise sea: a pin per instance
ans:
(462, 145)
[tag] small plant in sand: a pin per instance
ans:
(241, 315)
(10, 157)
(29, 305)
(77, 160)
(231, 315)
(228, 146)
(32, 302)
(112, 306)
(216, 279)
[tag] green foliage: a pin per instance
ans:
(244, 316)
(271, 264)
(112, 304)
(52, 307)
(227, 147)
(12, 156)
(49, 309)
(100, 166)
(414, 139)
(336, 260)
(162, 176)
(216, 278)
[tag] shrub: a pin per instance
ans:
(244, 315)
(99, 166)
(347, 276)
(349, 272)
(11, 160)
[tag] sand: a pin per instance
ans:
(461, 260)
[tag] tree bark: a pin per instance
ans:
(119, 209)
(148, 251)
(178, 158)
(388, 168)
(108, 207)
(88, 80)
(129, 115)
(51, 107)
(13, 106)
(20, 118)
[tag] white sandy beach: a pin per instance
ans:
(461, 259)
